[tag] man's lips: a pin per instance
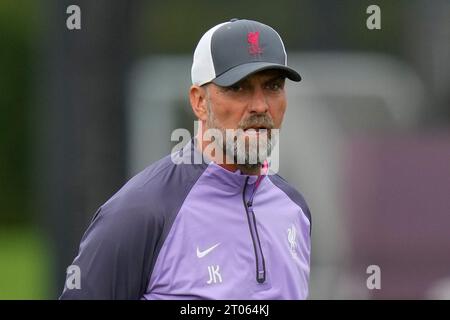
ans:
(257, 128)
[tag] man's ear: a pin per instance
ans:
(197, 97)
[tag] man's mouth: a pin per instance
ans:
(256, 128)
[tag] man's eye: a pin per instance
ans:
(235, 88)
(275, 86)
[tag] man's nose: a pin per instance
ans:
(258, 102)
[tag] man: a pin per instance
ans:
(215, 229)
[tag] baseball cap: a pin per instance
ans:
(233, 50)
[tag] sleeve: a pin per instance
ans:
(115, 255)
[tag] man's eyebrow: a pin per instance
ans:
(238, 83)
(275, 78)
(242, 81)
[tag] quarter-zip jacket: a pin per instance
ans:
(197, 231)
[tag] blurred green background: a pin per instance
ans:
(24, 256)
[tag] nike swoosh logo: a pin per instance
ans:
(201, 254)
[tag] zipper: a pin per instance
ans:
(260, 263)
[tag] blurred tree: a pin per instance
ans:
(427, 45)
(82, 118)
(17, 35)
(175, 26)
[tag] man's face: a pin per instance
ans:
(256, 102)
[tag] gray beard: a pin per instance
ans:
(232, 147)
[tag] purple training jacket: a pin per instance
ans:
(197, 231)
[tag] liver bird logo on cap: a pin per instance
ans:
(253, 41)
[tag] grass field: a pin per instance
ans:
(24, 265)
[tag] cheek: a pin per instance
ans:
(228, 114)
(278, 108)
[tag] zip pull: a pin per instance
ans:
(261, 276)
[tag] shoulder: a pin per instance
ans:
(119, 249)
(157, 191)
(292, 193)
